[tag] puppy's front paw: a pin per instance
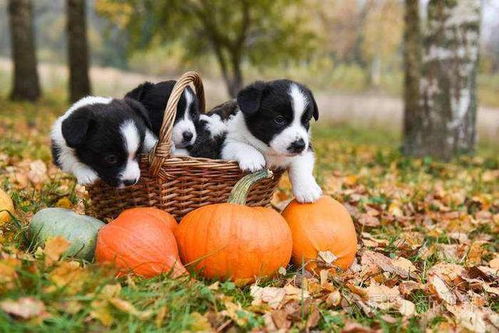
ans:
(307, 192)
(252, 161)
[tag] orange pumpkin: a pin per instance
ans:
(234, 241)
(324, 225)
(139, 243)
(161, 214)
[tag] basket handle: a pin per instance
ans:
(162, 151)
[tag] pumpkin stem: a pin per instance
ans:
(239, 193)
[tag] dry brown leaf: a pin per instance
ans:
(494, 263)
(25, 307)
(475, 319)
(326, 259)
(405, 267)
(280, 319)
(268, 295)
(368, 220)
(440, 288)
(37, 173)
(334, 298)
(407, 287)
(358, 328)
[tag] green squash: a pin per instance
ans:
(80, 230)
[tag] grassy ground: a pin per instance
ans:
(427, 249)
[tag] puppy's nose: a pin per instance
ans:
(130, 182)
(187, 136)
(297, 146)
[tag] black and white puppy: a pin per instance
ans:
(102, 138)
(154, 97)
(271, 128)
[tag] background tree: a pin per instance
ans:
(446, 124)
(412, 73)
(78, 60)
(26, 85)
(260, 32)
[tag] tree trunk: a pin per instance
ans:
(79, 82)
(26, 85)
(446, 125)
(412, 73)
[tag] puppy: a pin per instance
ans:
(212, 131)
(102, 138)
(270, 127)
(154, 97)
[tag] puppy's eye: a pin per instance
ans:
(111, 159)
(280, 120)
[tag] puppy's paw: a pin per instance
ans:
(252, 161)
(307, 192)
(85, 176)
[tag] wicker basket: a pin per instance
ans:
(177, 184)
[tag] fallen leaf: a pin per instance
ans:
(25, 307)
(270, 295)
(64, 203)
(37, 173)
(368, 220)
(407, 287)
(326, 259)
(54, 248)
(443, 292)
(280, 319)
(333, 298)
(128, 307)
(101, 312)
(199, 323)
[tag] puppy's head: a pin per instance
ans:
(278, 113)
(154, 97)
(108, 138)
(184, 127)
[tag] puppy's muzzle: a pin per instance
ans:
(297, 146)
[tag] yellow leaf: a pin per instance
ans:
(100, 311)
(54, 248)
(199, 323)
(160, 316)
(128, 307)
(64, 203)
(69, 275)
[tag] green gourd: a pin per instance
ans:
(79, 230)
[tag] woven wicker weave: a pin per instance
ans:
(177, 184)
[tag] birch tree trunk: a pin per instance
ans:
(26, 84)
(79, 81)
(412, 73)
(446, 125)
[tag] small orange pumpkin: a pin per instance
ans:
(161, 214)
(234, 241)
(140, 243)
(324, 225)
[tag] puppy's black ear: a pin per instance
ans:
(315, 111)
(75, 127)
(139, 92)
(140, 110)
(249, 98)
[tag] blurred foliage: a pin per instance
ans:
(245, 31)
(348, 46)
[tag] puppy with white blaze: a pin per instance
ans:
(102, 138)
(271, 127)
(154, 97)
